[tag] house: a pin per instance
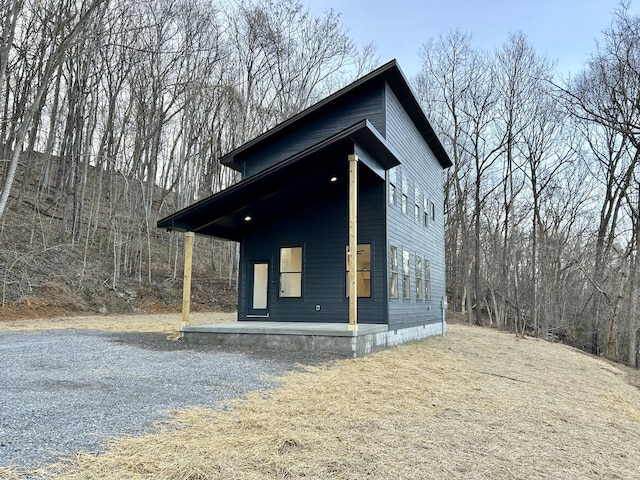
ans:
(359, 171)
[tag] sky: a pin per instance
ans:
(564, 30)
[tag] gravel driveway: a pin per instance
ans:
(63, 391)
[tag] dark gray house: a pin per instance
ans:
(360, 170)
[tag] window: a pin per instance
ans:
(433, 211)
(364, 271)
(393, 271)
(393, 189)
(291, 272)
(418, 277)
(427, 281)
(405, 275)
(416, 208)
(405, 195)
(425, 210)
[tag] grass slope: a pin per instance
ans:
(474, 404)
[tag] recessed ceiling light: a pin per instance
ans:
(247, 218)
(333, 179)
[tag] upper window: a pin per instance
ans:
(425, 210)
(405, 195)
(416, 208)
(291, 272)
(393, 271)
(364, 270)
(393, 186)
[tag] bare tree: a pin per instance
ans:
(445, 84)
(522, 77)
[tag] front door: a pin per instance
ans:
(259, 296)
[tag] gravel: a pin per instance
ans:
(64, 391)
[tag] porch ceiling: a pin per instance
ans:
(284, 188)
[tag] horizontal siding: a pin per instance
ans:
(317, 127)
(322, 230)
(422, 170)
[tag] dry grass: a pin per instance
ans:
(161, 323)
(475, 404)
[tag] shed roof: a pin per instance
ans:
(304, 177)
(393, 76)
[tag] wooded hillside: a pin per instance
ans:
(116, 115)
(115, 112)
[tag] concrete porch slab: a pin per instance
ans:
(334, 338)
(289, 328)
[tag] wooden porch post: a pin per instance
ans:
(353, 242)
(186, 285)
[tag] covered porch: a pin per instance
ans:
(335, 168)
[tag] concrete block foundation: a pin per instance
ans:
(334, 338)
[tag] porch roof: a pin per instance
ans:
(290, 185)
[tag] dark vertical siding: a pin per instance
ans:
(322, 231)
(319, 126)
(422, 169)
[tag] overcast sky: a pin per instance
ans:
(564, 30)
